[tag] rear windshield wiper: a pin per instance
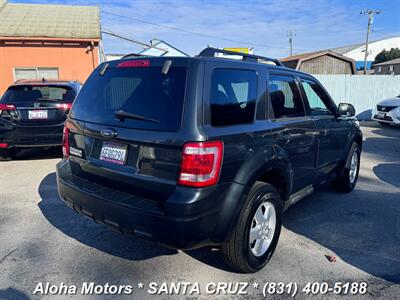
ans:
(123, 114)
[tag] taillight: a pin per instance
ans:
(142, 63)
(201, 163)
(3, 145)
(6, 107)
(65, 143)
(64, 106)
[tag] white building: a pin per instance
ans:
(357, 51)
(161, 48)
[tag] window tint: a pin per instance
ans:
(285, 97)
(32, 93)
(142, 91)
(317, 98)
(233, 97)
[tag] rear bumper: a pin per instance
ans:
(31, 136)
(190, 218)
(391, 117)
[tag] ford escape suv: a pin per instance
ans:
(204, 151)
(32, 114)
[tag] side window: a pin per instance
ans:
(233, 97)
(317, 98)
(285, 97)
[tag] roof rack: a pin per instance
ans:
(210, 52)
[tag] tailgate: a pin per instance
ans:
(147, 169)
(40, 115)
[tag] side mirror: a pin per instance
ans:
(346, 110)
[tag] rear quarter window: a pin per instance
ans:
(233, 96)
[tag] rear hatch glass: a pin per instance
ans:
(133, 97)
(36, 93)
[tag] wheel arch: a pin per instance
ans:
(278, 174)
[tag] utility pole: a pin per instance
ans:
(371, 13)
(290, 35)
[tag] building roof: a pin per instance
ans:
(348, 48)
(389, 62)
(311, 55)
(299, 58)
(302, 56)
(50, 21)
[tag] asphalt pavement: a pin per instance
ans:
(327, 237)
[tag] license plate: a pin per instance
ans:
(381, 115)
(113, 152)
(37, 114)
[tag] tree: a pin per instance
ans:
(387, 55)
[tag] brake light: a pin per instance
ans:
(201, 163)
(6, 107)
(3, 145)
(64, 106)
(65, 143)
(134, 64)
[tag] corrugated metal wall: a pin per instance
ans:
(361, 91)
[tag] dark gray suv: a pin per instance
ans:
(204, 151)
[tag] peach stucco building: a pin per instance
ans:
(47, 41)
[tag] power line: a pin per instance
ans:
(191, 32)
(108, 32)
(371, 13)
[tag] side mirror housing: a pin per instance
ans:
(346, 110)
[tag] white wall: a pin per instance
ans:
(363, 91)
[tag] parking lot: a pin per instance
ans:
(43, 240)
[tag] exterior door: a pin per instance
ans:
(332, 134)
(293, 130)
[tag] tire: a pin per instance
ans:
(238, 251)
(8, 154)
(345, 183)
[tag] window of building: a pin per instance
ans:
(391, 68)
(233, 97)
(379, 69)
(285, 97)
(35, 73)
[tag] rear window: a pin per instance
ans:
(27, 93)
(143, 91)
(285, 97)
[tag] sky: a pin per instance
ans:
(193, 24)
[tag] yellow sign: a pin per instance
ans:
(241, 50)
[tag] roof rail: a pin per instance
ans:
(210, 52)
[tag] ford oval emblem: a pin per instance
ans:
(108, 133)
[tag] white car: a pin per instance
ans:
(387, 111)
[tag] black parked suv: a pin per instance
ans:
(204, 151)
(32, 114)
